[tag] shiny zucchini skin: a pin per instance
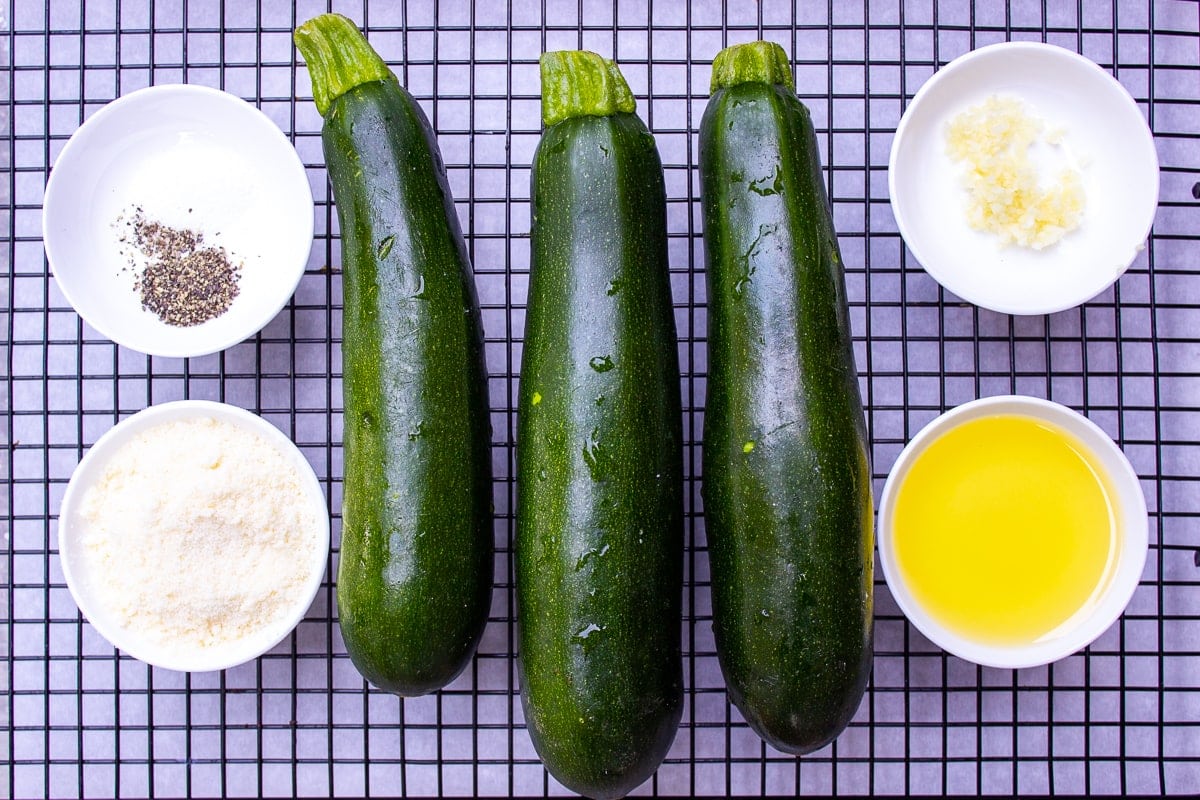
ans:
(787, 477)
(599, 552)
(414, 579)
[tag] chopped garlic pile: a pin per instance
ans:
(1006, 197)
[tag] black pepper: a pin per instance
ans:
(185, 282)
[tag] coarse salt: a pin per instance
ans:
(199, 533)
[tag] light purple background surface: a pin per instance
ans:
(79, 720)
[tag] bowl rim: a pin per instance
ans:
(77, 143)
(108, 444)
(1132, 548)
(895, 165)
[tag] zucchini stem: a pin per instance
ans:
(752, 62)
(578, 83)
(339, 58)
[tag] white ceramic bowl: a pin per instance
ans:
(88, 591)
(190, 157)
(1103, 128)
(1132, 545)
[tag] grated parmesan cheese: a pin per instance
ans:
(199, 533)
(994, 140)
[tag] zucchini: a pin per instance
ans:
(414, 581)
(599, 550)
(787, 477)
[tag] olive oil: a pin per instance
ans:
(1005, 529)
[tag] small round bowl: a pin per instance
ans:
(1131, 547)
(1103, 128)
(89, 595)
(193, 158)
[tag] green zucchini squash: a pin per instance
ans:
(414, 580)
(787, 477)
(599, 553)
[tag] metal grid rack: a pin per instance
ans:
(81, 719)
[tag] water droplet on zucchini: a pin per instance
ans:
(588, 556)
(739, 286)
(761, 187)
(385, 247)
(591, 454)
(602, 363)
(588, 630)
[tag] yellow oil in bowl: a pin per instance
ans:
(1005, 530)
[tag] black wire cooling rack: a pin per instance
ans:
(81, 719)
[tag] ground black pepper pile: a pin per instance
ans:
(184, 282)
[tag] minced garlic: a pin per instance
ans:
(1006, 197)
